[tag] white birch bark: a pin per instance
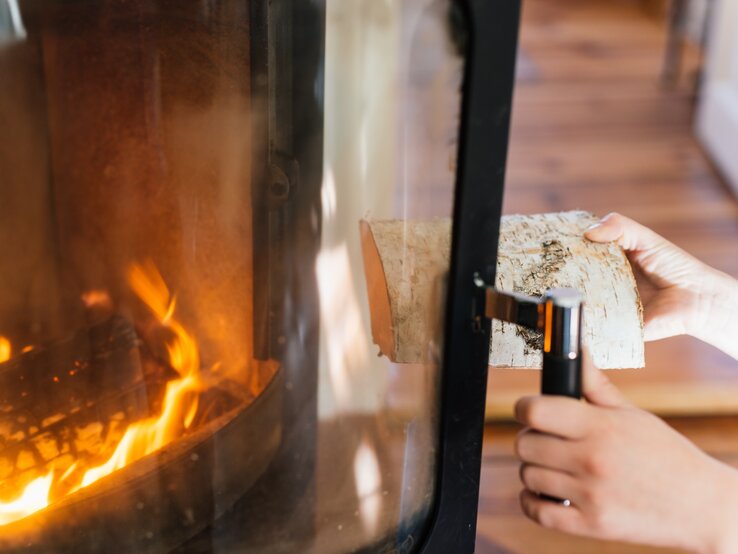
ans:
(404, 262)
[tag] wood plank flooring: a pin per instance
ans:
(594, 129)
(501, 527)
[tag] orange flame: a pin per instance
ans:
(179, 405)
(181, 396)
(35, 497)
(5, 349)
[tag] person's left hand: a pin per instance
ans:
(628, 475)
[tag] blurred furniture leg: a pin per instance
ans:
(674, 42)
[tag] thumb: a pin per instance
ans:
(597, 388)
(625, 232)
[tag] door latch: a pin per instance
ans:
(557, 315)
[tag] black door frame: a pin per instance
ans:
(489, 40)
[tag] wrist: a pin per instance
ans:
(720, 512)
(718, 325)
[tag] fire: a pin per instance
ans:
(5, 349)
(179, 405)
(181, 396)
(34, 497)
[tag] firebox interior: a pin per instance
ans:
(186, 361)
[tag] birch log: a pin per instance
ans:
(405, 262)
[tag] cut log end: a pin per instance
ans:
(378, 291)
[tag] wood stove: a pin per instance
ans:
(186, 355)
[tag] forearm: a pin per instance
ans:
(721, 326)
(717, 532)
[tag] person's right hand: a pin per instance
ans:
(627, 475)
(680, 294)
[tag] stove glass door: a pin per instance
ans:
(226, 233)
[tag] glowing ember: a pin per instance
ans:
(141, 438)
(4, 349)
(96, 298)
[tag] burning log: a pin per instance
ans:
(159, 501)
(65, 394)
(404, 260)
(62, 402)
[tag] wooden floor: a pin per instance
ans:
(593, 129)
(501, 527)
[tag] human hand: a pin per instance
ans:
(680, 294)
(628, 475)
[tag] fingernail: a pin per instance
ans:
(593, 227)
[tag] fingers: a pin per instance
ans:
(557, 415)
(548, 451)
(624, 231)
(543, 480)
(597, 388)
(550, 514)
